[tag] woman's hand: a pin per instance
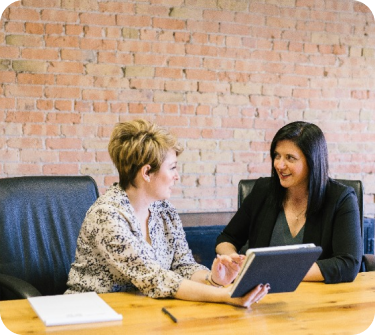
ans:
(197, 291)
(247, 300)
(225, 268)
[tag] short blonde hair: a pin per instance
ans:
(137, 143)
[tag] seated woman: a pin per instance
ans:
(132, 236)
(299, 203)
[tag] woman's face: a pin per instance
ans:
(162, 181)
(291, 165)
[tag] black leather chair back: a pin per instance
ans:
(40, 219)
(246, 185)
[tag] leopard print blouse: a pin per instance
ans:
(113, 256)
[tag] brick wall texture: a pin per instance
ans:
(223, 75)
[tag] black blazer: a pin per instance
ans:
(336, 228)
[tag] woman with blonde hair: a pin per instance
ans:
(132, 237)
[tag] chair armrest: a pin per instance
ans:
(369, 262)
(20, 288)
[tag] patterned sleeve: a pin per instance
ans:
(183, 261)
(126, 258)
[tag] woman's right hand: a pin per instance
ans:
(247, 300)
(225, 268)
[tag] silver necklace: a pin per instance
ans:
(297, 216)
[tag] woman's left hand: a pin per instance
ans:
(225, 268)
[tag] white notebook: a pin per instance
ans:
(56, 310)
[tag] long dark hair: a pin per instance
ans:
(311, 141)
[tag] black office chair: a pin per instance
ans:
(40, 219)
(368, 261)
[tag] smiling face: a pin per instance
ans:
(162, 181)
(291, 165)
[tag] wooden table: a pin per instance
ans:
(314, 308)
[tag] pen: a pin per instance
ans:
(165, 311)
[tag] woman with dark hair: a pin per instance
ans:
(299, 203)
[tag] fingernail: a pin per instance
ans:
(268, 286)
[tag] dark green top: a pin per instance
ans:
(281, 234)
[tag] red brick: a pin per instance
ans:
(97, 44)
(9, 52)
(60, 118)
(99, 119)
(357, 94)
(183, 85)
(169, 73)
(14, 27)
(32, 129)
(321, 104)
(34, 28)
(168, 48)
(136, 108)
(294, 80)
(217, 133)
(60, 169)
(63, 143)
(172, 120)
(220, 16)
(182, 37)
(99, 19)
(53, 41)
(25, 143)
(93, 31)
(147, 83)
(25, 117)
(171, 109)
(78, 130)
(115, 58)
(235, 29)
(29, 156)
(141, 21)
(134, 46)
(103, 156)
(168, 24)
(63, 105)
(62, 92)
(73, 29)
(199, 38)
(307, 93)
(99, 94)
(8, 77)
(54, 28)
(203, 26)
(184, 61)
(20, 168)
(46, 54)
(74, 80)
(116, 7)
(7, 103)
(23, 14)
(76, 157)
(59, 16)
(200, 75)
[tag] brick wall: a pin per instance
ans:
(223, 75)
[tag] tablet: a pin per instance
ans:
(282, 267)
